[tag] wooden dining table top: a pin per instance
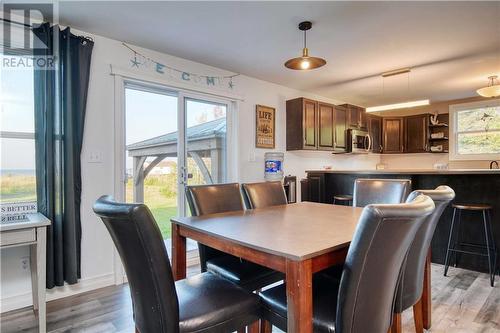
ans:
(295, 231)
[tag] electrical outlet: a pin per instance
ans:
(25, 263)
(95, 156)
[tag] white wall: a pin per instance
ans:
(97, 248)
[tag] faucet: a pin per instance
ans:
(494, 163)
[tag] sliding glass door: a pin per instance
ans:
(172, 139)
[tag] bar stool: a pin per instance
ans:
(490, 247)
(343, 199)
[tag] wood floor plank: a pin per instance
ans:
(463, 302)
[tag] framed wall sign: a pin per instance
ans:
(265, 122)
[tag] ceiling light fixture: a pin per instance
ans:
(493, 88)
(305, 62)
(404, 105)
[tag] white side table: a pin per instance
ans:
(30, 230)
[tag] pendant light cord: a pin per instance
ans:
(305, 38)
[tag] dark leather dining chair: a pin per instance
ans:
(363, 299)
(203, 303)
(380, 191)
(265, 194)
(411, 286)
(221, 198)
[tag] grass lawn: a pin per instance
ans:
(159, 194)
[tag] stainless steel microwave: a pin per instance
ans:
(360, 142)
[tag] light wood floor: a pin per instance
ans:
(464, 302)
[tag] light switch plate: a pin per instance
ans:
(251, 156)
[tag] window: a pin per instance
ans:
(475, 131)
(17, 141)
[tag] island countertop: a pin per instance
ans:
(410, 171)
(470, 186)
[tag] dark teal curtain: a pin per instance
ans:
(60, 101)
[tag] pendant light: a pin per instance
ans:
(404, 105)
(305, 62)
(493, 88)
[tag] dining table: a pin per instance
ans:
(297, 239)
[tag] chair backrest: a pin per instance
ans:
(211, 199)
(261, 195)
(380, 191)
(143, 254)
(374, 262)
(411, 286)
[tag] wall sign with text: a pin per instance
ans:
(265, 122)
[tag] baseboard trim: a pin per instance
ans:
(22, 300)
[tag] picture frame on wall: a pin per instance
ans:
(265, 126)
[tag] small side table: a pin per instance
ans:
(30, 230)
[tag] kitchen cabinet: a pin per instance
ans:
(375, 130)
(326, 116)
(301, 124)
(356, 117)
(393, 135)
(314, 125)
(340, 141)
(416, 130)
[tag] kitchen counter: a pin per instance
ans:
(470, 186)
(412, 171)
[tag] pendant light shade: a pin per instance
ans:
(493, 88)
(305, 62)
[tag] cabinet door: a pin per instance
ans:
(416, 137)
(363, 119)
(325, 126)
(353, 116)
(375, 129)
(340, 142)
(316, 184)
(309, 121)
(393, 135)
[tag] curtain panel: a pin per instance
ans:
(60, 101)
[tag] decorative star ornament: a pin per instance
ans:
(134, 62)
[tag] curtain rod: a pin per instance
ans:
(31, 27)
(15, 22)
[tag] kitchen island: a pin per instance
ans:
(470, 185)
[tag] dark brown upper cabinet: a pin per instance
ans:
(313, 125)
(340, 140)
(356, 117)
(326, 118)
(393, 135)
(375, 130)
(417, 133)
(301, 124)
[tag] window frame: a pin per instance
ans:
(453, 110)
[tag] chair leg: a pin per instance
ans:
(447, 258)
(254, 327)
(488, 250)
(242, 330)
(396, 323)
(265, 326)
(418, 317)
(460, 237)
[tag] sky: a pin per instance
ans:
(16, 114)
(147, 115)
